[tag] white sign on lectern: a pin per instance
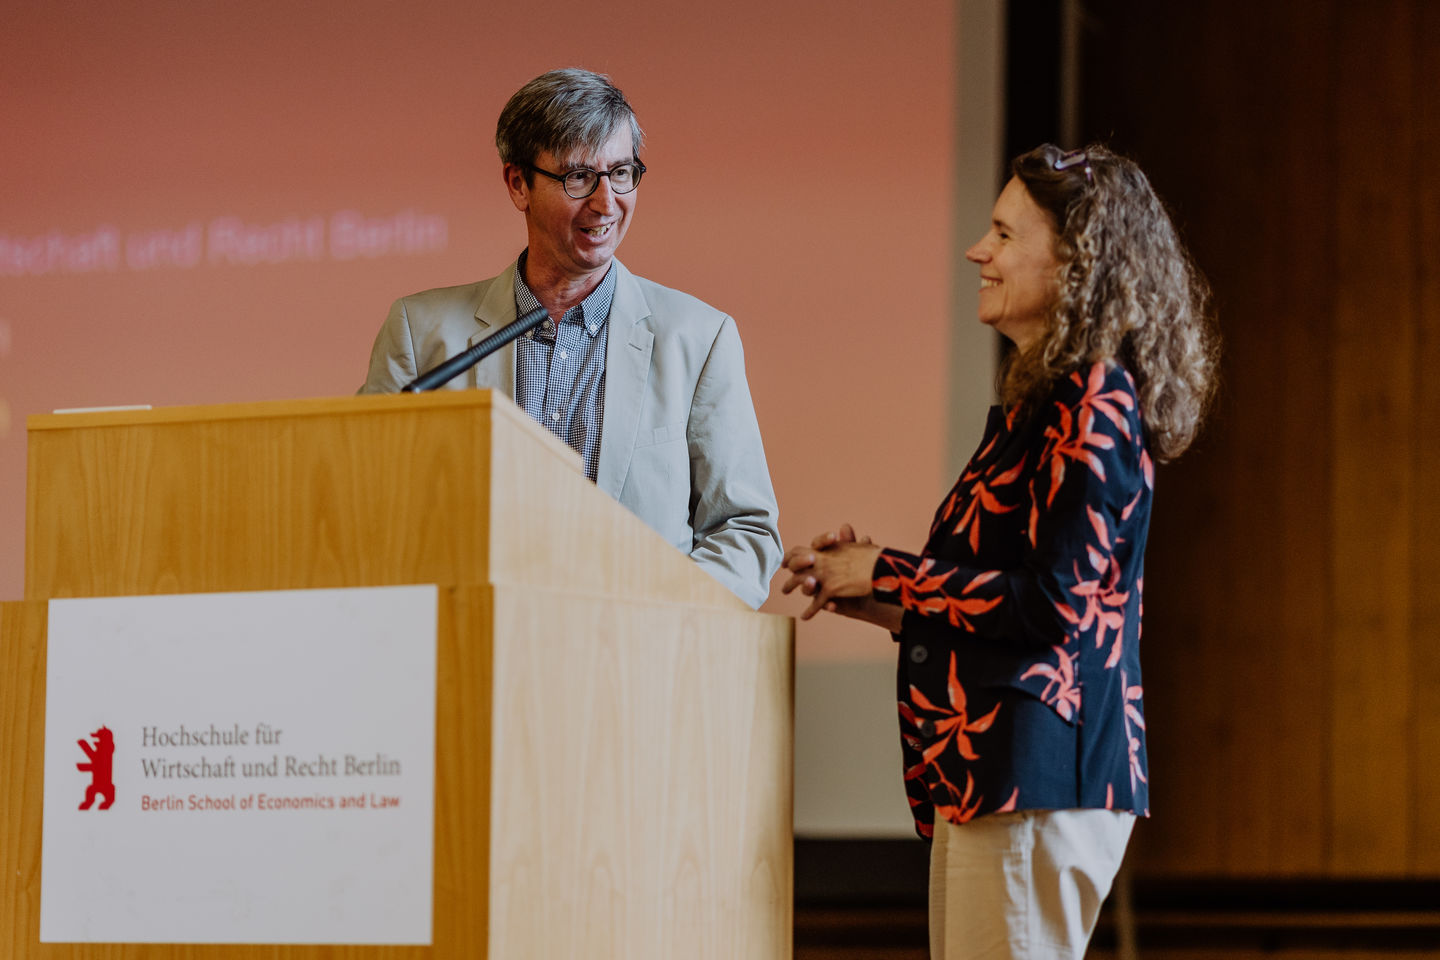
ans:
(240, 768)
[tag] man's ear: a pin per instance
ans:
(515, 184)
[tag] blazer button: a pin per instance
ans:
(918, 654)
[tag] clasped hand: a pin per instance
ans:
(835, 572)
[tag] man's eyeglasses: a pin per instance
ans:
(582, 182)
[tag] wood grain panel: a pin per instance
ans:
(639, 760)
(1185, 717)
(1373, 330)
(1292, 284)
(463, 702)
(441, 488)
(1296, 287)
(669, 833)
(1247, 656)
(644, 793)
(1292, 620)
(22, 767)
(547, 530)
(299, 494)
(1425, 539)
(1237, 567)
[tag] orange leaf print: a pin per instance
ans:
(1097, 522)
(959, 609)
(1010, 476)
(921, 701)
(1062, 693)
(1057, 478)
(979, 580)
(955, 690)
(963, 810)
(984, 723)
(952, 724)
(1098, 560)
(1132, 712)
(983, 500)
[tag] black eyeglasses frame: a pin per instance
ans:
(561, 178)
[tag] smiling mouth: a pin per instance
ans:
(988, 282)
(597, 233)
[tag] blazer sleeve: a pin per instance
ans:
(732, 503)
(392, 358)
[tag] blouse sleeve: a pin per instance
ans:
(1084, 498)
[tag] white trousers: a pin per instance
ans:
(1022, 886)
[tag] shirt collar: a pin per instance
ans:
(592, 313)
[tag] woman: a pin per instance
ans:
(1021, 705)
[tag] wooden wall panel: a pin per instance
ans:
(1238, 768)
(1425, 545)
(1297, 581)
(1373, 329)
(1290, 636)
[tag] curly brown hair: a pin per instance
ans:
(1128, 293)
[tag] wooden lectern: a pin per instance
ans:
(613, 773)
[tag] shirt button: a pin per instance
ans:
(926, 729)
(593, 329)
(919, 654)
(555, 416)
(564, 354)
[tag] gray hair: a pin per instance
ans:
(561, 112)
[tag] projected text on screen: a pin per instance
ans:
(225, 241)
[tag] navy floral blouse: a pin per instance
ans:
(1019, 674)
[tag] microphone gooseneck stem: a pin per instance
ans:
(461, 362)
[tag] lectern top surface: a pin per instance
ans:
(264, 409)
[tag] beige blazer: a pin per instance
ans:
(679, 444)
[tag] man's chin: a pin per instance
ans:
(591, 260)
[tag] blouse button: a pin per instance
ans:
(919, 654)
(926, 729)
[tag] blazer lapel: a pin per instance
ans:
(497, 308)
(627, 371)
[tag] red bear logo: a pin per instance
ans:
(101, 767)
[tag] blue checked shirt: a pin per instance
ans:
(560, 373)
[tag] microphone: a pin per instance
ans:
(461, 362)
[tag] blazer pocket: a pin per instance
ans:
(662, 434)
(1054, 683)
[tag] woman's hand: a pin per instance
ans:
(835, 572)
(800, 560)
(868, 610)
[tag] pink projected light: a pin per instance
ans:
(216, 203)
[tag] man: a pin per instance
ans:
(646, 383)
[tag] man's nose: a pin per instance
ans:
(603, 199)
